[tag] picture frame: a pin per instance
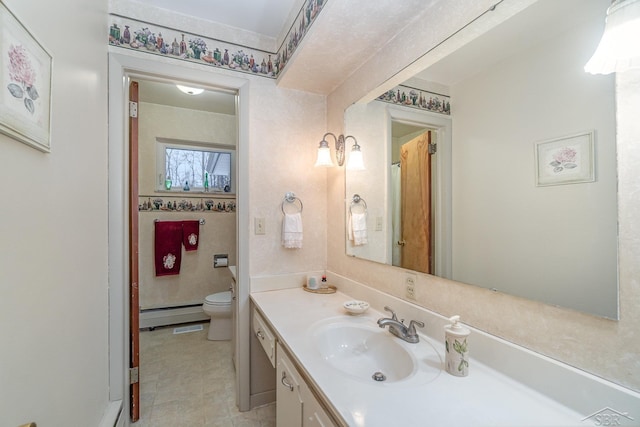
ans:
(565, 160)
(25, 84)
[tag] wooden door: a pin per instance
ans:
(134, 311)
(415, 165)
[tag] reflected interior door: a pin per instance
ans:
(134, 311)
(415, 166)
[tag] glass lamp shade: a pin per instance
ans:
(190, 90)
(619, 49)
(324, 156)
(355, 162)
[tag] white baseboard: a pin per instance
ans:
(171, 316)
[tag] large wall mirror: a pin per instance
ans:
(520, 195)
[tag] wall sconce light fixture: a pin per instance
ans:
(324, 153)
(619, 49)
(190, 90)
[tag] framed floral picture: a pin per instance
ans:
(565, 160)
(25, 84)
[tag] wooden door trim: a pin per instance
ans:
(134, 312)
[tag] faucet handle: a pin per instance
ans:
(393, 313)
(412, 327)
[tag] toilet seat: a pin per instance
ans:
(219, 298)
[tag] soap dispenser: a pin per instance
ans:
(457, 349)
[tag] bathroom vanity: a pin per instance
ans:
(507, 385)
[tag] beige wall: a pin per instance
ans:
(286, 127)
(606, 348)
(162, 121)
(197, 277)
(53, 250)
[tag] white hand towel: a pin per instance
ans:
(358, 228)
(292, 231)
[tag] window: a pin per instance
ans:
(198, 168)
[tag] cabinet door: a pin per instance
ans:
(265, 336)
(313, 413)
(288, 396)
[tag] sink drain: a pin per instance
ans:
(379, 376)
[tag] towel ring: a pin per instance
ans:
(291, 198)
(356, 200)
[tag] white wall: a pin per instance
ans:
(53, 251)
(505, 228)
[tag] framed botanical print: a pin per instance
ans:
(25, 84)
(565, 160)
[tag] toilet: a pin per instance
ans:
(218, 306)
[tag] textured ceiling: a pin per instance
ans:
(266, 17)
(344, 36)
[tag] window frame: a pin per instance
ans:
(163, 143)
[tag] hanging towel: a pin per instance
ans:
(292, 231)
(190, 234)
(358, 228)
(168, 247)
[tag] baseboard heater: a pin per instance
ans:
(165, 316)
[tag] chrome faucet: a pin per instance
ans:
(399, 329)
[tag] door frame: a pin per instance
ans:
(123, 68)
(441, 128)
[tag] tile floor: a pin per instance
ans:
(186, 380)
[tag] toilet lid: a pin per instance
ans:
(219, 298)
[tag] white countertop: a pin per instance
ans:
(484, 398)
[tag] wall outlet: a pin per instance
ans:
(410, 285)
(259, 227)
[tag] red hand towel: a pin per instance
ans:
(190, 234)
(168, 247)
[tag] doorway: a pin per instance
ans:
(435, 132)
(185, 143)
(123, 69)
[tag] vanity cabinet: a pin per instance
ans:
(295, 403)
(265, 336)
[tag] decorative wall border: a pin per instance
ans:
(182, 204)
(158, 40)
(417, 98)
(305, 18)
(133, 34)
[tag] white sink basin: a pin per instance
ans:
(368, 353)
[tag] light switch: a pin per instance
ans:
(378, 223)
(259, 227)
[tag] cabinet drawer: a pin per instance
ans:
(265, 336)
